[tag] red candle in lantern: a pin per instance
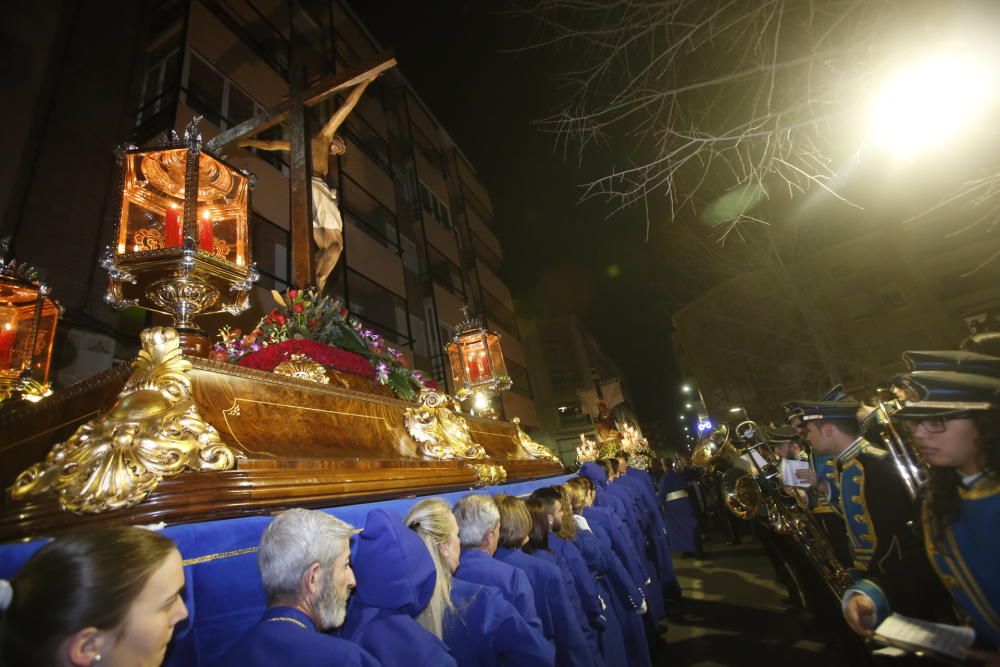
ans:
(206, 239)
(172, 228)
(7, 335)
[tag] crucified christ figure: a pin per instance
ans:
(328, 228)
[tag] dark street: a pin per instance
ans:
(734, 615)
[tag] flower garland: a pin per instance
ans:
(314, 322)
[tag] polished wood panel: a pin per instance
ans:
(298, 444)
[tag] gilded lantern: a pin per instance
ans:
(476, 358)
(28, 319)
(182, 242)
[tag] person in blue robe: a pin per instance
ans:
(613, 526)
(479, 535)
(627, 599)
(486, 631)
(954, 419)
(538, 546)
(679, 516)
(309, 548)
(559, 621)
(396, 579)
(569, 555)
(478, 625)
(656, 531)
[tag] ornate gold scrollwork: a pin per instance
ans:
(489, 474)
(442, 433)
(537, 450)
(183, 297)
(148, 238)
(153, 432)
(302, 367)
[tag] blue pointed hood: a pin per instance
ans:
(392, 566)
(594, 473)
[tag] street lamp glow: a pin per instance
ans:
(687, 405)
(928, 102)
(686, 388)
(736, 409)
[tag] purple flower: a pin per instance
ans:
(256, 347)
(382, 372)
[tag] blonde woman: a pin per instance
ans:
(479, 626)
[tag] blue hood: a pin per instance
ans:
(594, 473)
(392, 566)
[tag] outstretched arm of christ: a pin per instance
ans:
(265, 145)
(338, 118)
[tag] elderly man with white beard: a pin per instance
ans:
(304, 561)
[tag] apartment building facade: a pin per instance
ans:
(418, 223)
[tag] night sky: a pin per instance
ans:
(559, 253)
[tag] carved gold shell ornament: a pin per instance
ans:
(153, 432)
(302, 367)
(536, 450)
(442, 433)
(489, 474)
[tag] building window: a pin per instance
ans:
(379, 308)
(159, 86)
(444, 272)
(214, 95)
(368, 214)
(271, 251)
(520, 382)
(224, 104)
(433, 205)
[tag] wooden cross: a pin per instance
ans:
(294, 110)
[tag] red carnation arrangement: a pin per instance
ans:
(321, 353)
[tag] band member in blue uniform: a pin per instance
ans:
(304, 561)
(954, 420)
(396, 581)
(873, 501)
(479, 534)
(823, 493)
(479, 626)
(559, 621)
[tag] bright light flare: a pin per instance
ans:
(926, 104)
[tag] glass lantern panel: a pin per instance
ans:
(223, 202)
(16, 320)
(42, 357)
(152, 201)
(496, 354)
(457, 366)
(477, 363)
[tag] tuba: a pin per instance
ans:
(741, 493)
(714, 450)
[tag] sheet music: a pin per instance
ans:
(788, 469)
(938, 637)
